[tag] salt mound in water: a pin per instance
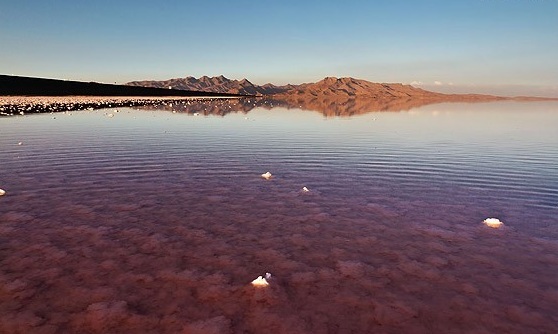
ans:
(493, 222)
(261, 282)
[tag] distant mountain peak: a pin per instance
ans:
(245, 82)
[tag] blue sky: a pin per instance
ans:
(502, 46)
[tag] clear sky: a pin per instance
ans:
(494, 46)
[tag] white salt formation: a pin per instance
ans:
(2, 192)
(266, 175)
(260, 282)
(20, 105)
(493, 222)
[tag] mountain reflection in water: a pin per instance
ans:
(328, 106)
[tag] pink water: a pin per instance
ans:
(156, 222)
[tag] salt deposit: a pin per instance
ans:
(493, 222)
(21, 105)
(260, 282)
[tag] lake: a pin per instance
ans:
(157, 220)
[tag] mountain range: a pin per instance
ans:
(218, 84)
(326, 92)
(329, 90)
(327, 87)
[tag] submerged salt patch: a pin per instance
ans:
(493, 222)
(261, 282)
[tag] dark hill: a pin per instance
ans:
(16, 85)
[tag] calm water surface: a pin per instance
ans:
(158, 221)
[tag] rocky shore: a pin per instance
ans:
(20, 105)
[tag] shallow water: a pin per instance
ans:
(157, 221)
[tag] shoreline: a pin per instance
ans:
(21, 105)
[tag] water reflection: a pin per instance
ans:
(328, 106)
(154, 222)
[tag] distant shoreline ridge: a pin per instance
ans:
(220, 86)
(331, 96)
